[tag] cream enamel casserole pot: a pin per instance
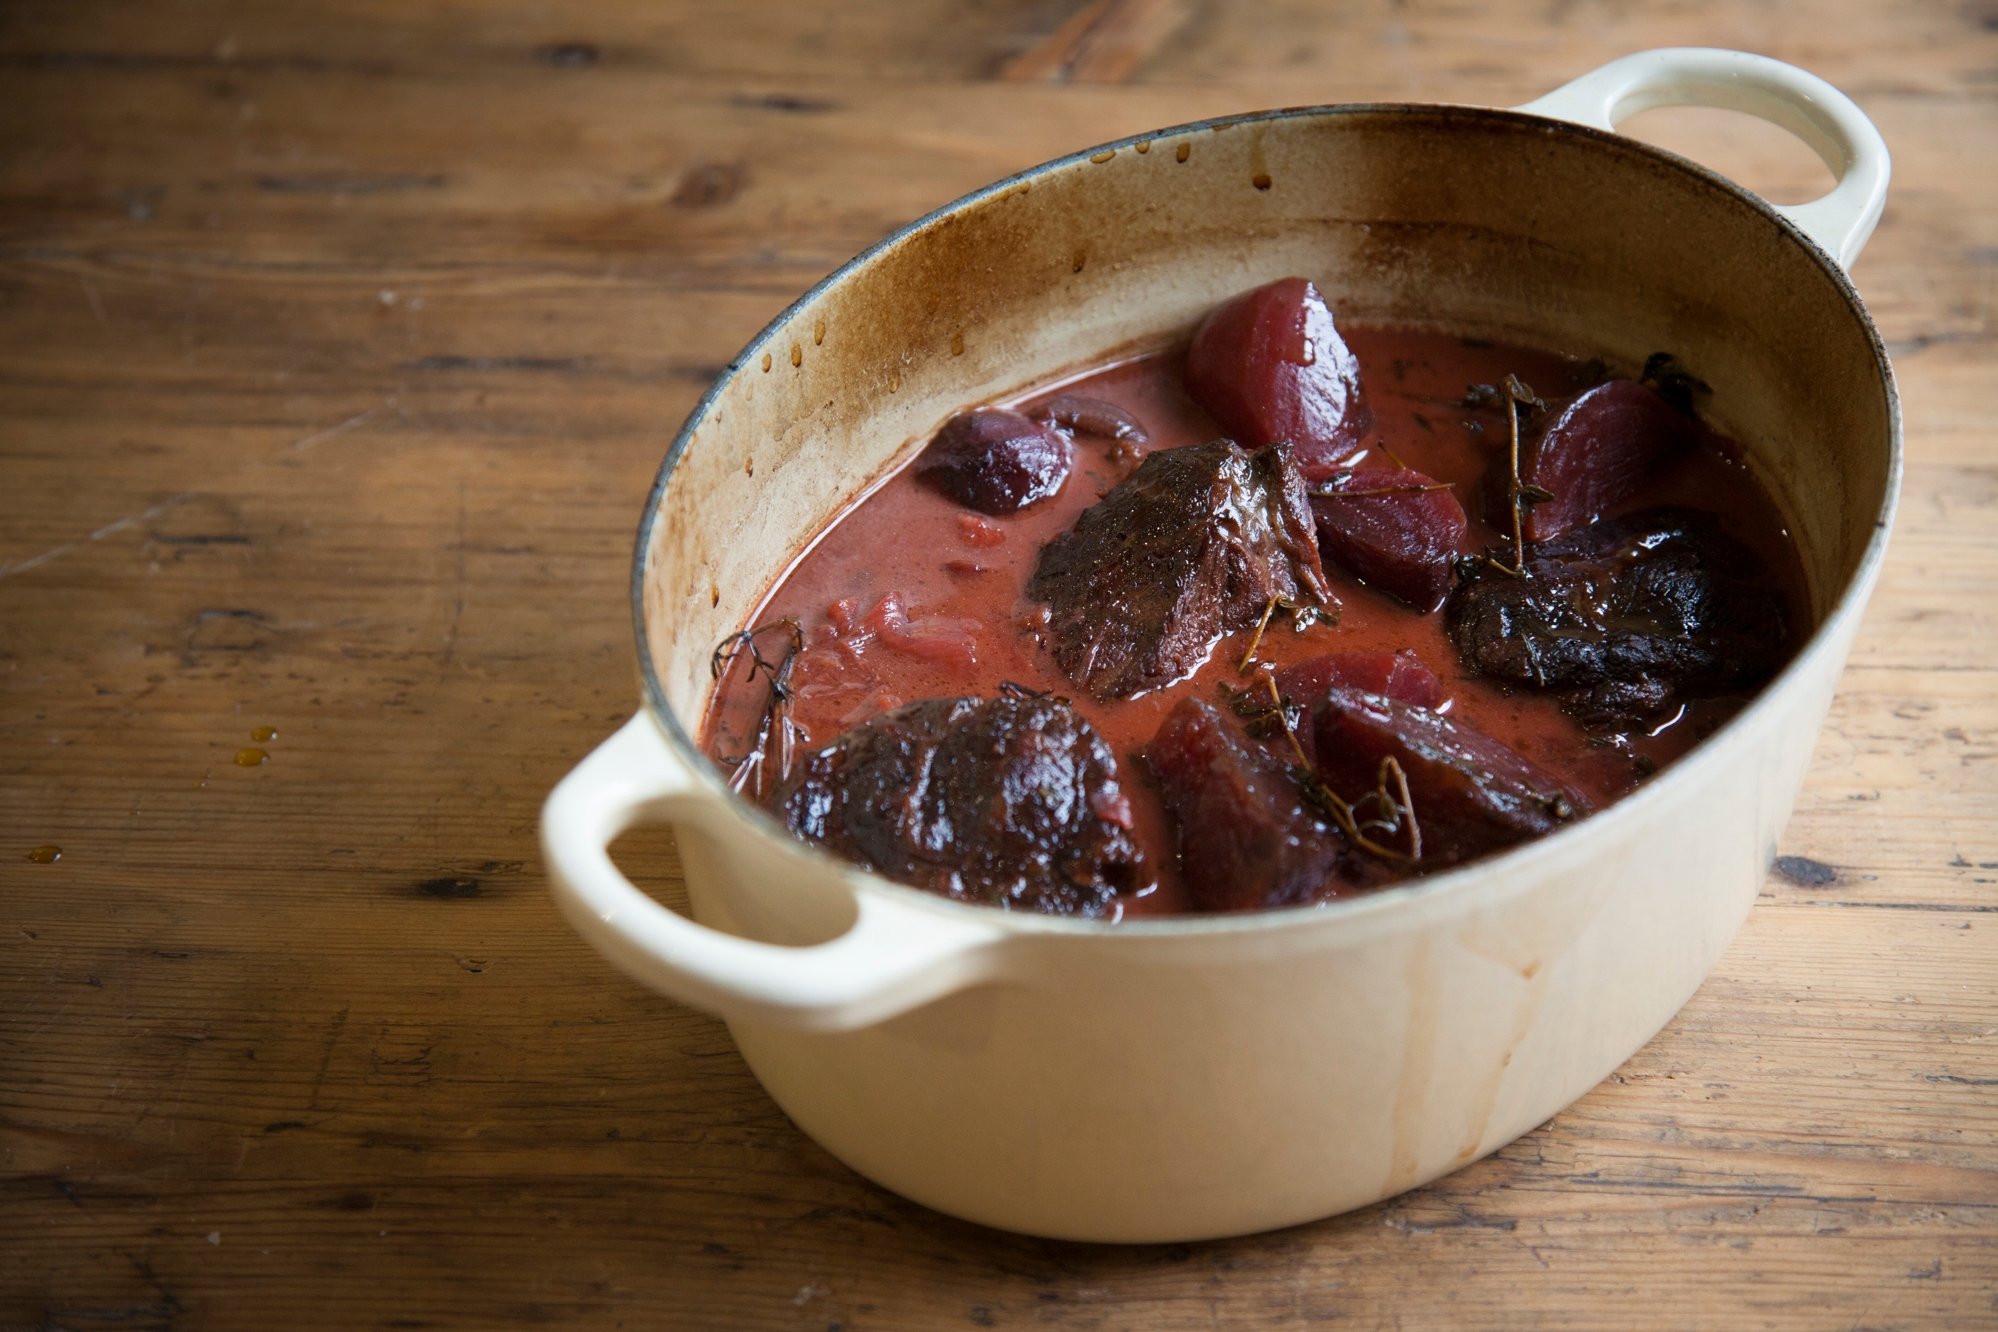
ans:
(1176, 1079)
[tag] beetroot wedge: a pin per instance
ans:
(1400, 676)
(995, 461)
(1248, 839)
(1472, 794)
(1269, 365)
(1592, 453)
(1393, 528)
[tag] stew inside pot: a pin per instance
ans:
(1285, 614)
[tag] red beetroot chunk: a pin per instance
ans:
(1592, 453)
(1247, 838)
(1472, 794)
(1393, 528)
(1397, 675)
(995, 461)
(1269, 365)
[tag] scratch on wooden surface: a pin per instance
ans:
(321, 436)
(109, 529)
(326, 1058)
(96, 303)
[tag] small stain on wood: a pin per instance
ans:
(709, 184)
(200, 539)
(226, 630)
(349, 184)
(1805, 872)
(569, 55)
(45, 855)
(450, 888)
(789, 103)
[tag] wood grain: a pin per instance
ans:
(340, 342)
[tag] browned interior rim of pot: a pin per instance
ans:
(1851, 598)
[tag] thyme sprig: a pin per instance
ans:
(775, 715)
(1516, 395)
(1392, 808)
(1302, 617)
(1374, 491)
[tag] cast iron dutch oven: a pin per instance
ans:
(1184, 1078)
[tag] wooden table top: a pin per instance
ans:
(341, 342)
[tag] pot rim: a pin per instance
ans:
(1531, 861)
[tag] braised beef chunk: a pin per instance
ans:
(1011, 802)
(1626, 618)
(1590, 453)
(995, 461)
(1472, 794)
(1393, 528)
(1248, 838)
(1269, 365)
(1193, 545)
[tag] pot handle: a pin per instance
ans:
(895, 956)
(1819, 114)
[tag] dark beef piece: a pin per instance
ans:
(1626, 618)
(1248, 838)
(1269, 365)
(995, 461)
(1010, 802)
(1392, 528)
(1191, 546)
(1591, 452)
(1472, 794)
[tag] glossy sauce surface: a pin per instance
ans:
(960, 577)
